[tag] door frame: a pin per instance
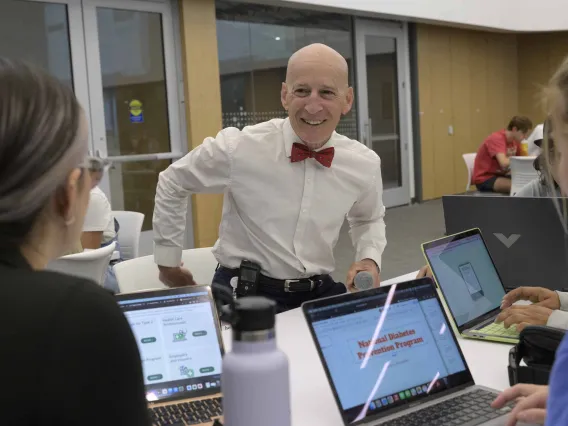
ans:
(399, 31)
(174, 89)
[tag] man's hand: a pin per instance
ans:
(537, 295)
(363, 265)
(531, 403)
(523, 315)
(424, 272)
(176, 276)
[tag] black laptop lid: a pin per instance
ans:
(525, 236)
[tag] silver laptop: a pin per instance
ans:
(392, 358)
(181, 347)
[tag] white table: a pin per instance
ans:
(312, 399)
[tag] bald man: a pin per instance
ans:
(288, 185)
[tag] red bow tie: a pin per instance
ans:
(300, 152)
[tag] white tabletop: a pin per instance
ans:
(312, 399)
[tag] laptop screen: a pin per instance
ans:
(466, 275)
(178, 340)
(386, 348)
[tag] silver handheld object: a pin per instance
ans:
(363, 280)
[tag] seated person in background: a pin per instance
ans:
(543, 164)
(68, 353)
(100, 230)
(491, 167)
(534, 140)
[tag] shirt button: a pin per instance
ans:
(304, 211)
(308, 179)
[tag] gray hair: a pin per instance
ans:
(39, 122)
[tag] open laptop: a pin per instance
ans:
(391, 358)
(524, 235)
(470, 284)
(180, 343)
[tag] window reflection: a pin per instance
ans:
(254, 44)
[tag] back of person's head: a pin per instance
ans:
(521, 123)
(43, 141)
(543, 161)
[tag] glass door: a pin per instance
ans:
(384, 123)
(135, 105)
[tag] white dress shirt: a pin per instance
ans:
(284, 216)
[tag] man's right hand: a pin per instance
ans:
(176, 276)
(538, 295)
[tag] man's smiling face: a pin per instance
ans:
(316, 93)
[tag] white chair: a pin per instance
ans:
(91, 264)
(129, 233)
(522, 172)
(143, 274)
(469, 161)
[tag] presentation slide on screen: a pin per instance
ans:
(176, 342)
(414, 338)
(468, 278)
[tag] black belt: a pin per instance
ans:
(288, 286)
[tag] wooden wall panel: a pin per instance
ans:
(203, 102)
(461, 106)
(426, 119)
(539, 57)
(467, 80)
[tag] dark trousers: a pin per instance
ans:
(285, 301)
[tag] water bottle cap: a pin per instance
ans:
(254, 313)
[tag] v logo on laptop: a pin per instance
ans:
(508, 241)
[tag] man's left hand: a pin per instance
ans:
(363, 265)
(523, 315)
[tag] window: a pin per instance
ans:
(37, 33)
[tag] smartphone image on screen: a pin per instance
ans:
(470, 280)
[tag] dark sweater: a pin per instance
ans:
(67, 354)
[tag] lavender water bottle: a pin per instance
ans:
(255, 379)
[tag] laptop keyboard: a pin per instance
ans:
(495, 329)
(469, 409)
(186, 413)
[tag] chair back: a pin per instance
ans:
(130, 224)
(469, 161)
(142, 273)
(91, 264)
(522, 172)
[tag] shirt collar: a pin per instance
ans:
(290, 138)
(12, 256)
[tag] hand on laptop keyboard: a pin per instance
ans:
(186, 413)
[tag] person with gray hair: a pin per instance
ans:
(68, 354)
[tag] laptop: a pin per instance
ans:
(391, 358)
(524, 235)
(180, 344)
(471, 286)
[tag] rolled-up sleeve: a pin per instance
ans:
(366, 221)
(206, 169)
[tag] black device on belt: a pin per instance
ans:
(249, 277)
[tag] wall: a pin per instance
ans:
(539, 56)
(509, 15)
(203, 102)
(468, 80)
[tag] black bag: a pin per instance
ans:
(537, 348)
